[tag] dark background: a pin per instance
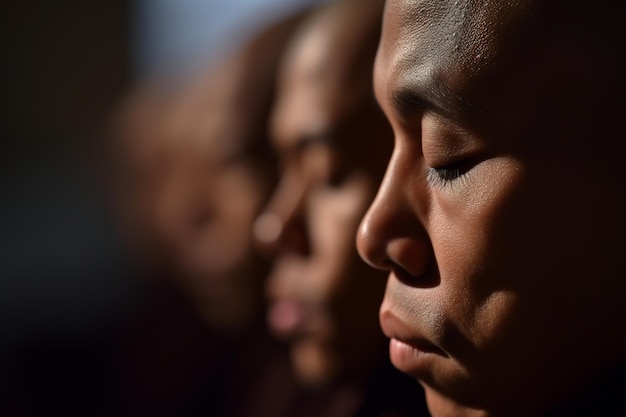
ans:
(63, 276)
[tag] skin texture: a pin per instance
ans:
(500, 217)
(323, 297)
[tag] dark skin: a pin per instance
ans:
(500, 218)
(323, 298)
(195, 168)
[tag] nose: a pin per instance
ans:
(392, 235)
(282, 224)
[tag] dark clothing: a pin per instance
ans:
(163, 361)
(388, 393)
(605, 398)
(167, 362)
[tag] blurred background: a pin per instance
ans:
(64, 65)
(65, 280)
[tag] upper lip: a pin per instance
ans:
(394, 328)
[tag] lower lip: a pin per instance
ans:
(408, 358)
(284, 317)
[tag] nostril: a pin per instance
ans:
(410, 259)
(387, 264)
(427, 278)
(410, 254)
(404, 276)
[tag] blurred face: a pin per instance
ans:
(324, 300)
(204, 211)
(497, 218)
(193, 194)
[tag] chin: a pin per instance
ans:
(441, 406)
(314, 366)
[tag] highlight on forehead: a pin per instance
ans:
(472, 33)
(460, 24)
(435, 54)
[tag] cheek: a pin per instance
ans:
(347, 291)
(239, 198)
(334, 215)
(236, 200)
(170, 212)
(470, 232)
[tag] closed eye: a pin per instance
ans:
(439, 177)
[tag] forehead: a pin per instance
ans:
(302, 106)
(324, 80)
(453, 43)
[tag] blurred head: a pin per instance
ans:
(500, 219)
(323, 298)
(196, 170)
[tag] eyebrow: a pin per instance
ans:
(407, 100)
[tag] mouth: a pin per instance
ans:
(285, 317)
(409, 350)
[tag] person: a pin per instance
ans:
(192, 169)
(323, 298)
(500, 219)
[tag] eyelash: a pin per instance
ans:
(440, 177)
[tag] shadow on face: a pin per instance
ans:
(489, 218)
(332, 142)
(194, 169)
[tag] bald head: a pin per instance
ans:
(489, 218)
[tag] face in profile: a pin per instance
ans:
(203, 212)
(493, 221)
(323, 298)
(192, 188)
